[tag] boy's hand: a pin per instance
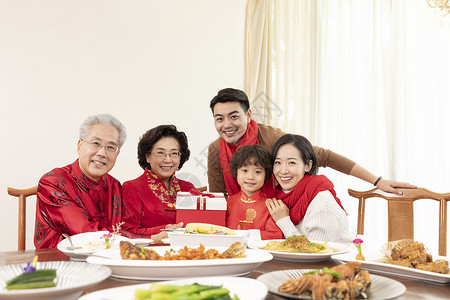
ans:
(277, 209)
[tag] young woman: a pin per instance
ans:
(305, 203)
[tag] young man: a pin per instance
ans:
(82, 196)
(232, 119)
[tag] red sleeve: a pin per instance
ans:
(233, 209)
(57, 212)
(62, 208)
(271, 231)
(134, 206)
(185, 186)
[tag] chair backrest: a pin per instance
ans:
(202, 188)
(400, 212)
(22, 195)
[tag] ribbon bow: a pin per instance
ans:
(196, 192)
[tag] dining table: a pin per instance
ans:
(415, 288)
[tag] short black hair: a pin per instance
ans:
(230, 95)
(304, 147)
(152, 136)
(255, 155)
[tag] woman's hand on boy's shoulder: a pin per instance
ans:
(277, 209)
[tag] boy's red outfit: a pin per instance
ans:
(245, 213)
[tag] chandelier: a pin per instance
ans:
(443, 5)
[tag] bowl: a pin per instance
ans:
(72, 278)
(181, 238)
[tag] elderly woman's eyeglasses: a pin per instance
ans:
(97, 146)
(163, 154)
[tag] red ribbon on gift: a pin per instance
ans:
(201, 203)
(196, 192)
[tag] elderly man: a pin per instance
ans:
(82, 196)
(232, 119)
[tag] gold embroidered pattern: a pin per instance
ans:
(159, 189)
(250, 215)
(246, 199)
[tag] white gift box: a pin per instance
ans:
(201, 208)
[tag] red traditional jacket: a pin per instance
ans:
(150, 204)
(245, 213)
(69, 202)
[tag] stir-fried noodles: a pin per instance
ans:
(298, 243)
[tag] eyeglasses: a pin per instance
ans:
(163, 154)
(97, 146)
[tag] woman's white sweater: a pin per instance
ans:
(324, 221)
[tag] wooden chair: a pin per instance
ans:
(400, 212)
(22, 194)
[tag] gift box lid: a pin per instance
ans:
(186, 200)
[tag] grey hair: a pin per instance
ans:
(103, 119)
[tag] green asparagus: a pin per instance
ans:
(185, 292)
(35, 280)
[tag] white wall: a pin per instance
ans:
(146, 62)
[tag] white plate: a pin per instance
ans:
(86, 237)
(181, 238)
(71, 279)
(381, 287)
(171, 269)
(390, 269)
(141, 242)
(244, 288)
(301, 257)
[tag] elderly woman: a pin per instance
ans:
(150, 198)
(305, 203)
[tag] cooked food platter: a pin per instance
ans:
(380, 287)
(244, 288)
(322, 250)
(406, 258)
(157, 269)
(193, 238)
(379, 264)
(90, 242)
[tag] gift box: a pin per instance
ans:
(196, 207)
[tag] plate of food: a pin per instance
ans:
(209, 235)
(299, 248)
(333, 282)
(88, 242)
(54, 279)
(169, 262)
(243, 288)
(406, 258)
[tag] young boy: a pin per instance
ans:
(251, 166)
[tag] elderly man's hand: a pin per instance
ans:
(389, 186)
(277, 209)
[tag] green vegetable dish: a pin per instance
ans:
(32, 278)
(37, 279)
(183, 292)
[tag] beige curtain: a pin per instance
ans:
(280, 63)
(368, 79)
